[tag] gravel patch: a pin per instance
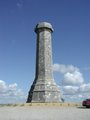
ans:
(44, 113)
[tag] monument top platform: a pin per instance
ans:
(44, 25)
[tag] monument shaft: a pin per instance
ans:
(44, 88)
(44, 55)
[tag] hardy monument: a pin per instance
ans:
(44, 88)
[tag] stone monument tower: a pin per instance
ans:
(44, 88)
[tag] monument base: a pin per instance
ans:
(44, 92)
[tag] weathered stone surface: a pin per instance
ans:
(44, 88)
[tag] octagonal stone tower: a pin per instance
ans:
(44, 88)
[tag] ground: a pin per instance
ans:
(44, 113)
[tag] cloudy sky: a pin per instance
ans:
(71, 45)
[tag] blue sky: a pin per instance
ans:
(71, 39)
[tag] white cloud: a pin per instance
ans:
(85, 88)
(72, 74)
(70, 90)
(77, 97)
(74, 78)
(2, 85)
(76, 93)
(64, 68)
(10, 93)
(13, 87)
(73, 86)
